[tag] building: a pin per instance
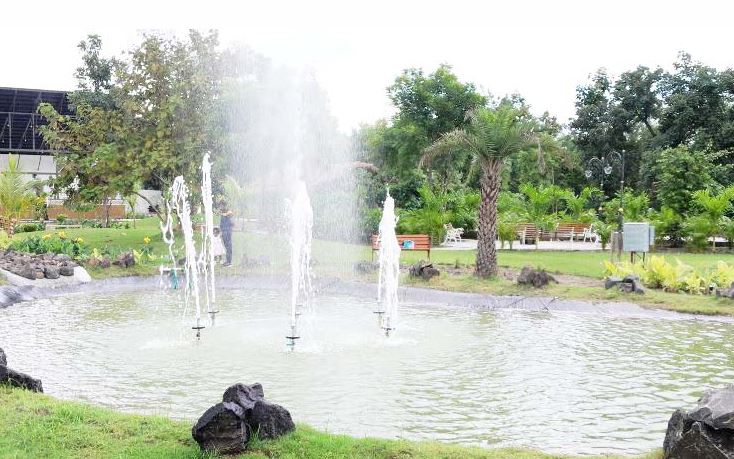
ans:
(19, 133)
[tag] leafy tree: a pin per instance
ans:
(577, 205)
(713, 207)
(430, 218)
(152, 122)
(679, 172)
(492, 135)
(636, 93)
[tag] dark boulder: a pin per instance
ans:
(270, 420)
(51, 272)
(704, 433)
(25, 270)
(3, 357)
(222, 428)
(18, 379)
(627, 284)
(66, 269)
(125, 260)
(536, 277)
(424, 270)
(243, 395)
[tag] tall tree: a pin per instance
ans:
(491, 136)
(152, 121)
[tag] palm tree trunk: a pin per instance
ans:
(490, 188)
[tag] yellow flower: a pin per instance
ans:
(79, 240)
(621, 210)
(146, 240)
(46, 237)
(62, 234)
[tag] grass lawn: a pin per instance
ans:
(35, 425)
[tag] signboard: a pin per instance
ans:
(637, 237)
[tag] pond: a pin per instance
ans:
(573, 380)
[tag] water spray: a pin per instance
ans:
(389, 274)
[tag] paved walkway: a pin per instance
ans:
(471, 244)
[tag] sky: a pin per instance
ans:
(540, 49)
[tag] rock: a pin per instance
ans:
(39, 273)
(243, 395)
(18, 379)
(3, 358)
(66, 270)
(366, 267)
(125, 260)
(26, 270)
(706, 432)
(270, 420)
(51, 272)
(535, 277)
(105, 263)
(424, 270)
(222, 428)
(631, 284)
(612, 282)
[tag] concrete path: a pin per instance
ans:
(471, 244)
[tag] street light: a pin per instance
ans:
(603, 167)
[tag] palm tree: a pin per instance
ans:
(16, 193)
(491, 136)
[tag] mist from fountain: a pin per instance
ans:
(389, 257)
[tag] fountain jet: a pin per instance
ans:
(389, 256)
(301, 224)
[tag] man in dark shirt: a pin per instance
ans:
(225, 226)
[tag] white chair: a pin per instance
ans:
(590, 234)
(452, 234)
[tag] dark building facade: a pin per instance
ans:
(19, 119)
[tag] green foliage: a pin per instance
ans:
(58, 243)
(61, 218)
(635, 207)
(539, 206)
(370, 223)
(679, 172)
(29, 227)
(698, 229)
(604, 230)
(656, 272)
(430, 218)
(507, 228)
(668, 227)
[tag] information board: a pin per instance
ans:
(636, 237)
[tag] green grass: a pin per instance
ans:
(680, 302)
(38, 426)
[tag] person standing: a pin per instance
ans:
(225, 226)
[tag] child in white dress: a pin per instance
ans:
(218, 245)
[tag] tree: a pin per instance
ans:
(427, 106)
(151, 122)
(678, 173)
(491, 136)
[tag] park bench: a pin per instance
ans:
(419, 242)
(527, 232)
(571, 231)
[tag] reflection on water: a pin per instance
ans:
(559, 381)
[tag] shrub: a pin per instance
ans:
(656, 272)
(698, 229)
(58, 243)
(29, 227)
(61, 218)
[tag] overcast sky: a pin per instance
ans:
(541, 49)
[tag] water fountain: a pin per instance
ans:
(301, 225)
(180, 204)
(389, 256)
(207, 261)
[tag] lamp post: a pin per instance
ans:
(603, 167)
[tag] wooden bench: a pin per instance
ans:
(571, 231)
(421, 242)
(527, 231)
